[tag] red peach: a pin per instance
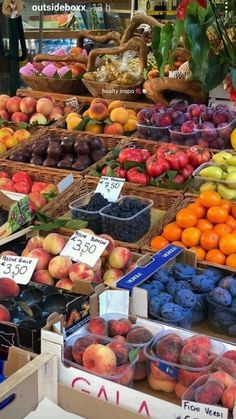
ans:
(4, 314)
(37, 199)
(28, 105)
(79, 347)
(38, 119)
(180, 390)
(224, 378)
(194, 356)
(162, 385)
(4, 115)
(59, 267)
(204, 342)
(65, 283)
(125, 374)
(118, 327)
(230, 355)
(54, 243)
(140, 371)
(8, 253)
(13, 104)
(34, 243)
(8, 288)
(139, 335)
(121, 352)
(81, 272)
(99, 359)
(228, 399)
(225, 364)
(97, 265)
(210, 392)
(3, 102)
(43, 258)
(158, 374)
(43, 277)
(25, 252)
(111, 276)
(120, 258)
(97, 326)
(44, 106)
(169, 348)
(119, 338)
(68, 353)
(187, 377)
(19, 117)
(110, 246)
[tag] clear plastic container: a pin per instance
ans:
(151, 132)
(92, 217)
(200, 310)
(122, 374)
(180, 138)
(185, 321)
(175, 373)
(218, 137)
(199, 180)
(221, 319)
(129, 229)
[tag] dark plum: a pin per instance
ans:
(82, 147)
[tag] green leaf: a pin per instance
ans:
(76, 224)
(94, 122)
(165, 45)
(25, 308)
(152, 181)
(95, 173)
(43, 218)
(53, 225)
(133, 354)
(177, 32)
(23, 125)
(233, 75)
(156, 45)
(3, 121)
(171, 174)
(68, 76)
(83, 123)
(217, 70)
(115, 152)
(108, 121)
(129, 164)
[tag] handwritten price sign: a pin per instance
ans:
(84, 248)
(18, 268)
(193, 410)
(110, 187)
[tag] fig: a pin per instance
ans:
(38, 160)
(54, 150)
(67, 145)
(95, 143)
(82, 147)
(50, 161)
(64, 164)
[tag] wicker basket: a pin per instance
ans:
(112, 90)
(45, 84)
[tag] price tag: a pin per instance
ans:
(65, 183)
(110, 187)
(73, 102)
(193, 410)
(18, 268)
(84, 248)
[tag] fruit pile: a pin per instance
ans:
(10, 138)
(39, 193)
(53, 269)
(218, 388)
(191, 359)
(178, 296)
(33, 111)
(219, 175)
(185, 124)
(66, 152)
(112, 119)
(207, 226)
(120, 336)
(168, 167)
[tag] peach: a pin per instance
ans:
(4, 314)
(121, 351)
(132, 114)
(44, 106)
(162, 385)
(119, 115)
(13, 104)
(180, 390)
(210, 392)
(10, 141)
(19, 117)
(25, 252)
(194, 356)
(97, 265)
(59, 267)
(97, 326)
(139, 335)
(94, 128)
(3, 148)
(8, 253)
(204, 342)
(227, 365)
(28, 105)
(119, 327)
(54, 243)
(187, 377)
(114, 129)
(54, 116)
(158, 374)
(97, 279)
(43, 277)
(140, 371)
(68, 354)
(3, 102)
(81, 272)
(119, 338)
(115, 104)
(34, 243)
(98, 111)
(21, 135)
(58, 109)
(130, 125)
(79, 347)
(73, 123)
(68, 109)
(65, 283)
(120, 258)
(131, 267)
(4, 131)
(228, 399)
(169, 348)
(98, 100)
(111, 276)
(6, 184)
(42, 256)
(4, 115)
(38, 199)
(50, 97)
(125, 374)
(110, 246)
(38, 119)
(8, 288)
(224, 378)
(230, 355)
(99, 359)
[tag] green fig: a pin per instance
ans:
(208, 186)
(212, 172)
(222, 157)
(232, 161)
(226, 193)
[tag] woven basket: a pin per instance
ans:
(112, 90)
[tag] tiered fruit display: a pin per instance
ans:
(207, 226)
(29, 110)
(10, 138)
(53, 269)
(39, 193)
(169, 167)
(112, 119)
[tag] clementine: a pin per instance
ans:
(209, 240)
(217, 214)
(231, 260)
(231, 222)
(216, 256)
(204, 225)
(233, 211)
(178, 243)
(209, 199)
(172, 232)
(200, 252)
(225, 204)
(191, 236)
(198, 210)
(222, 229)
(227, 244)
(159, 243)
(186, 218)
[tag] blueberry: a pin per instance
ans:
(185, 298)
(221, 296)
(232, 288)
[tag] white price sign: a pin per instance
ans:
(193, 410)
(110, 187)
(73, 102)
(18, 268)
(84, 248)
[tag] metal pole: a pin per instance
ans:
(41, 15)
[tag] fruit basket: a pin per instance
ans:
(130, 86)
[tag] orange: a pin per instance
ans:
(204, 225)
(209, 240)
(178, 243)
(217, 215)
(231, 260)
(198, 210)
(225, 204)
(233, 211)
(216, 256)
(228, 244)
(234, 231)
(201, 253)
(222, 229)
(186, 218)
(231, 222)
(172, 232)
(209, 199)
(191, 236)
(159, 243)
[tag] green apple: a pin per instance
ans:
(212, 172)
(222, 157)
